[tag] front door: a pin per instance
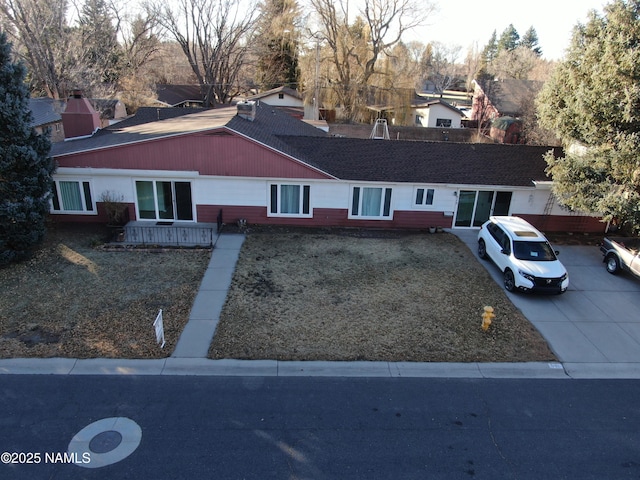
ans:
(476, 206)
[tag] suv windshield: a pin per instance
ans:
(533, 251)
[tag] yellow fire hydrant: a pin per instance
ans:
(486, 317)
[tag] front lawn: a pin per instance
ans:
(363, 295)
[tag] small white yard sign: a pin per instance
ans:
(159, 329)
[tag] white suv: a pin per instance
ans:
(523, 254)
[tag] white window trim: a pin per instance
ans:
(173, 180)
(79, 180)
(289, 215)
(382, 199)
(423, 206)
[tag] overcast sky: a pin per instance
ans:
(464, 21)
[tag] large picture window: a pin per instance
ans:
(164, 200)
(371, 202)
(72, 196)
(289, 200)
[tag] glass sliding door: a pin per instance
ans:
(476, 206)
(164, 200)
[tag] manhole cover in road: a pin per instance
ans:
(105, 442)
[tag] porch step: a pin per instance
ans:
(176, 234)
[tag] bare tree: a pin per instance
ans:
(355, 47)
(516, 63)
(440, 65)
(214, 36)
(41, 35)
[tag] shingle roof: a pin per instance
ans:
(269, 123)
(344, 158)
(46, 110)
(177, 94)
(423, 162)
(509, 95)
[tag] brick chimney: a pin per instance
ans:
(79, 119)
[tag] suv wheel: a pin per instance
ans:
(482, 249)
(509, 281)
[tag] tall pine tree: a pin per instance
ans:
(277, 44)
(593, 100)
(25, 169)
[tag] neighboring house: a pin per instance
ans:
(493, 99)
(47, 117)
(286, 100)
(256, 163)
(280, 97)
(179, 95)
(47, 114)
(437, 114)
(111, 111)
(426, 113)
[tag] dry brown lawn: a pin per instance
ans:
(362, 295)
(72, 299)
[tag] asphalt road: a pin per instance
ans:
(327, 428)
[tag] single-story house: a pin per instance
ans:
(425, 112)
(280, 97)
(256, 163)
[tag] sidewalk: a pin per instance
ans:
(590, 340)
(197, 335)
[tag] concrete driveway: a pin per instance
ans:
(595, 325)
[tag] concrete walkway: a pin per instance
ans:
(197, 335)
(593, 328)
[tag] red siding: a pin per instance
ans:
(225, 155)
(101, 217)
(322, 217)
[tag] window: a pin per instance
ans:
(72, 196)
(371, 202)
(424, 197)
(292, 200)
(443, 122)
(281, 96)
(419, 120)
(164, 200)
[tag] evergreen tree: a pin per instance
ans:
(25, 169)
(490, 51)
(487, 56)
(277, 44)
(530, 40)
(509, 39)
(102, 54)
(593, 100)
